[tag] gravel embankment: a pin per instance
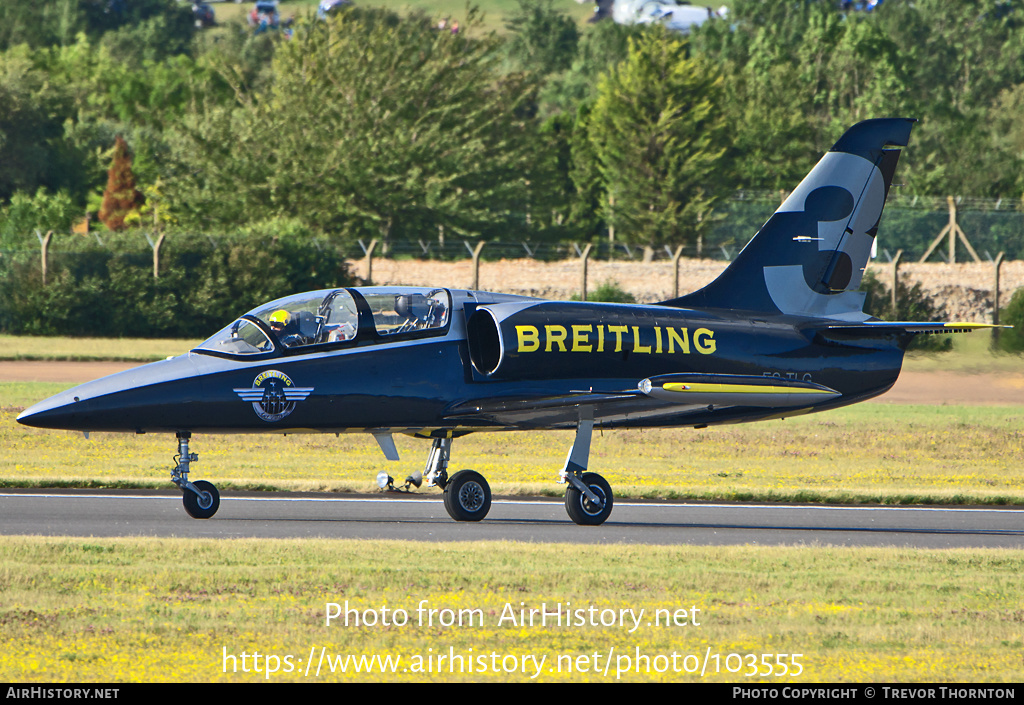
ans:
(965, 289)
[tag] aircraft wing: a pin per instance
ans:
(662, 395)
(507, 408)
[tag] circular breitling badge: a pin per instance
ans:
(273, 395)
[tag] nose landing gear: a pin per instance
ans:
(201, 498)
(467, 496)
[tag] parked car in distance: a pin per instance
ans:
(678, 16)
(203, 14)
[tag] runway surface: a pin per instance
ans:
(285, 515)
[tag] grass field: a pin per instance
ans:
(142, 610)
(145, 610)
(494, 11)
(27, 347)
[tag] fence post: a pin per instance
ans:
(675, 271)
(584, 256)
(895, 280)
(44, 242)
(995, 297)
(611, 226)
(953, 231)
(476, 264)
(156, 253)
(369, 260)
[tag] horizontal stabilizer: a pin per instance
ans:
(735, 390)
(905, 327)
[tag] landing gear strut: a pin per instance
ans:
(467, 496)
(588, 498)
(201, 499)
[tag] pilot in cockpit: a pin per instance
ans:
(294, 328)
(279, 324)
(290, 327)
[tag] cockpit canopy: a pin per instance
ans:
(334, 316)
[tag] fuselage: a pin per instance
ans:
(499, 354)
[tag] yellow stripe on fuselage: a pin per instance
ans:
(718, 388)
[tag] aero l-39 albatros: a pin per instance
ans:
(780, 333)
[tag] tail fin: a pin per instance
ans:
(809, 258)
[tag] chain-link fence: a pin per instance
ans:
(910, 224)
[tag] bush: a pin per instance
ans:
(1012, 340)
(912, 304)
(609, 291)
(109, 290)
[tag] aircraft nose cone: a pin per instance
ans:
(126, 401)
(48, 411)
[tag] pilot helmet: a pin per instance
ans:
(279, 318)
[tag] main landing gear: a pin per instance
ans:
(588, 498)
(201, 498)
(467, 496)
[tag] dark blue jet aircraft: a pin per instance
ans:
(780, 333)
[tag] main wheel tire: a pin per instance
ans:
(204, 505)
(467, 496)
(584, 512)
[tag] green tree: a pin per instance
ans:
(957, 58)
(586, 208)
(542, 38)
(602, 46)
(1012, 340)
(167, 26)
(27, 213)
(374, 126)
(38, 23)
(659, 136)
(33, 114)
(798, 73)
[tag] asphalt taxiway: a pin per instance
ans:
(292, 515)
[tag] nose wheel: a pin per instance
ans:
(204, 504)
(200, 499)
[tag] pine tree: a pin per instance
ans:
(120, 197)
(375, 127)
(659, 137)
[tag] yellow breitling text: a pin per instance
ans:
(614, 338)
